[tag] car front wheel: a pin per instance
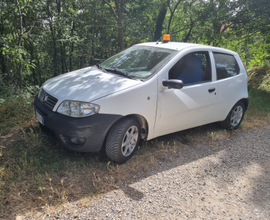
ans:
(123, 139)
(235, 116)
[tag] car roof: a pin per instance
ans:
(180, 46)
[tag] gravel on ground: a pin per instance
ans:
(227, 179)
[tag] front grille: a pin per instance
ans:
(47, 100)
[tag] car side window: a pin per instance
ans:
(226, 65)
(192, 68)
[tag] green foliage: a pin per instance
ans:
(4, 91)
(259, 53)
(260, 78)
(16, 107)
(42, 39)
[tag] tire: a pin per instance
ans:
(235, 117)
(123, 140)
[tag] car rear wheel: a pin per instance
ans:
(235, 117)
(123, 139)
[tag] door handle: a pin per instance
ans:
(211, 90)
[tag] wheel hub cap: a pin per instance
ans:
(129, 141)
(236, 116)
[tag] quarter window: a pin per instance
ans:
(226, 65)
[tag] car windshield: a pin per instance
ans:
(138, 61)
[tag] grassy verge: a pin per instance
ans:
(258, 113)
(37, 174)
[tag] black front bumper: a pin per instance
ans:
(64, 129)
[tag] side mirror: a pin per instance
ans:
(173, 83)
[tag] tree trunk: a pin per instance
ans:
(3, 64)
(2, 57)
(118, 14)
(81, 62)
(39, 74)
(93, 47)
(58, 5)
(65, 60)
(32, 57)
(62, 57)
(172, 13)
(70, 57)
(20, 42)
(160, 21)
(72, 48)
(189, 32)
(120, 9)
(55, 61)
(93, 37)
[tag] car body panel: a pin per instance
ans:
(231, 90)
(86, 85)
(138, 100)
(184, 108)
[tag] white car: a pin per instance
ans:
(145, 91)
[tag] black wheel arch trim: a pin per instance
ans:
(246, 102)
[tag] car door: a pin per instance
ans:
(191, 106)
(232, 83)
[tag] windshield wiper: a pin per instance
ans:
(99, 66)
(118, 72)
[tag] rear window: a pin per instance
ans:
(226, 65)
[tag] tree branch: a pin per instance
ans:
(172, 13)
(30, 29)
(110, 5)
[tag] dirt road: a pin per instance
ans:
(228, 179)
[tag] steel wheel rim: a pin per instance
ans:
(129, 141)
(236, 116)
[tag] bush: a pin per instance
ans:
(16, 107)
(5, 91)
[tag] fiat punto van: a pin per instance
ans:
(145, 91)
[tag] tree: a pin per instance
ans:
(117, 8)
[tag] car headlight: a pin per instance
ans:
(78, 109)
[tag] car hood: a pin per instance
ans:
(86, 85)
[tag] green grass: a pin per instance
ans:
(258, 113)
(259, 91)
(259, 99)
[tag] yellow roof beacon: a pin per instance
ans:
(166, 38)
